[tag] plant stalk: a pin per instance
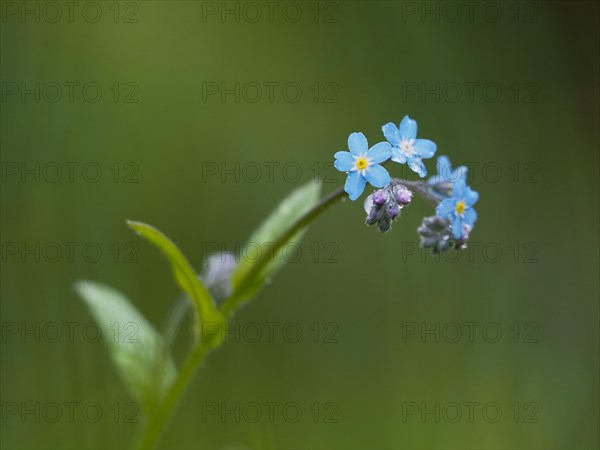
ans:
(157, 420)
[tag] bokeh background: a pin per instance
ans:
(532, 149)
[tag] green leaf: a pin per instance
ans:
(136, 348)
(184, 274)
(246, 279)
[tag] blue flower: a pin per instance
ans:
(445, 174)
(406, 148)
(459, 208)
(362, 164)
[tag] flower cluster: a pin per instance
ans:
(448, 190)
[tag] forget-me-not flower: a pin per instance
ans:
(459, 208)
(406, 148)
(362, 164)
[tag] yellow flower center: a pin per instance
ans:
(460, 208)
(361, 163)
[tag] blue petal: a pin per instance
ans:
(355, 185)
(357, 144)
(441, 165)
(417, 166)
(344, 161)
(425, 147)
(391, 133)
(408, 128)
(457, 227)
(459, 189)
(398, 155)
(459, 174)
(380, 152)
(446, 209)
(470, 196)
(470, 217)
(377, 176)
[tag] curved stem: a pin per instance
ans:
(419, 188)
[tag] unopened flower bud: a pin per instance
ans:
(379, 197)
(393, 210)
(403, 195)
(216, 274)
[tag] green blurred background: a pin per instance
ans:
(541, 211)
